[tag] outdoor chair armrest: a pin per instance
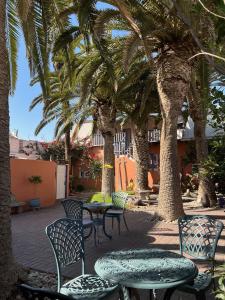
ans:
(41, 293)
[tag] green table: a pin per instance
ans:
(146, 269)
(99, 208)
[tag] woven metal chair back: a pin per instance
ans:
(199, 236)
(66, 238)
(73, 208)
(119, 199)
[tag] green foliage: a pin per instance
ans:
(130, 193)
(12, 29)
(92, 163)
(220, 274)
(95, 168)
(54, 152)
(190, 154)
(189, 181)
(36, 179)
(80, 188)
(217, 109)
(215, 164)
(99, 197)
(71, 183)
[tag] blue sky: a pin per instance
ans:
(20, 117)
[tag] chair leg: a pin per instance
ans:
(124, 293)
(125, 222)
(118, 219)
(95, 236)
(168, 293)
(200, 296)
(112, 222)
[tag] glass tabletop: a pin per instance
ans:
(146, 268)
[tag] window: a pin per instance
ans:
(154, 161)
(84, 174)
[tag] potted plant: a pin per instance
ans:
(35, 203)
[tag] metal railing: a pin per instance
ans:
(97, 139)
(123, 143)
(154, 135)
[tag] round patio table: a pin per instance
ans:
(149, 269)
(99, 208)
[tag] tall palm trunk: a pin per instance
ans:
(108, 185)
(106, 125)
(8, 275)
(67, 146)
(141, 155)
(173, 80)
(206, 190)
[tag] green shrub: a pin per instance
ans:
(130, 193)
(36, 179)
(80, 188)
(98, 197)
(220, 274)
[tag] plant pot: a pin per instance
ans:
(34, 203)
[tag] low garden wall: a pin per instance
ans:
(24, 190)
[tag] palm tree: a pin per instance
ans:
(137, 97)
(57, 107)
(8, 274)
(198, 102)
(97, 90)
(13, 14)
(164, 31)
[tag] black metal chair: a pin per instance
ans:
(66, 238)
(199, 236)
(119, 200)
(74, 210)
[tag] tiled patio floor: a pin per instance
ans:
(32, 249)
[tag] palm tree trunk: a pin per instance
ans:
(8, 274)
(108, 185)
(67, 146)
(106, 124)
(206, 190)
(141, 156)
(173, 80)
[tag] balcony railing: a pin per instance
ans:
(154, 135)
(123, 143)
(97, 139)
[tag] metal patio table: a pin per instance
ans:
(99, 208)
(149, 269)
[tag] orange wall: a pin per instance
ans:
(125, 168)
(22, 169)
(88, 183)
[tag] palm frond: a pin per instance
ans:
(66, 38)
(12, 27)
(37, 100)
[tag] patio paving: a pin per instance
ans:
(32, 249)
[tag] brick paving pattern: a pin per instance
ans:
(32, 249)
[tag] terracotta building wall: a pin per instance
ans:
(125, 168)
(78, 166)
(22, 169)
